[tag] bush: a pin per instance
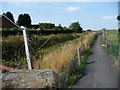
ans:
(89, 30)
(11, 46)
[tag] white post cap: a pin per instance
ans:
(22, 27)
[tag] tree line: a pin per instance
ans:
(25, 20)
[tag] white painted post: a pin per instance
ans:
(29, 58)
(78, 53)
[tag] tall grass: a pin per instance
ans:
(56, 54)
(62, 56)
(13, 50)
(113, 44)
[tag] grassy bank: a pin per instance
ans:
(62, 56)
(56, 54)
(112, 42)
(13, 52)
(80, 69)
(113, 45)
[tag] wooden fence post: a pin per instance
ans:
(79, 57)
(110, 46)
(29, 58)
(106, 39)
(81, 39)
(103, 37)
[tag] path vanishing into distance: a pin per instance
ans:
(100, 71)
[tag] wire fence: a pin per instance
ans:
(69, 70)
(112, 48)
(110, 40)
(13, 50)
(72, 68)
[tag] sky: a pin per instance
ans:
(90, 15)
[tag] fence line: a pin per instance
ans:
(74, 64)
(111, 44)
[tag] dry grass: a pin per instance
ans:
(61, 57)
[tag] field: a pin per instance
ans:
(112, 43)
(112, 35)
(46, 50)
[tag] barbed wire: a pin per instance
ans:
(32, 48)
(21, 47)
(43, 43)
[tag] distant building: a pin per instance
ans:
(5, 22)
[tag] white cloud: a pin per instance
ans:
(108, 17)
(71, 8)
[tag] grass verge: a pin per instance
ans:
(73, 78)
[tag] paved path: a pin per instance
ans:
(100, 71)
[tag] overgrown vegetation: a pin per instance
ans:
(113, 45)
(112, 42)
(62, 56)
(80, 69)
(54, 52)
(13, 46)
(15, 31)
(60, 47)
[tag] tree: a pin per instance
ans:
(89, 30)
(59, 27)
(118, 17)
(21, 20)
(65, 28)
(24, 20)
(46, 25)
(75, 26)
(9, 15)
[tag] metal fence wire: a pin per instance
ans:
(72, 67)
(112, 44)
(112, 48)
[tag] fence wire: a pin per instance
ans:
(111, 42)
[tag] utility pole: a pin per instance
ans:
(29, 58)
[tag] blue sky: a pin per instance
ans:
(91, 15)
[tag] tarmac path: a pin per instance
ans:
(100, 71)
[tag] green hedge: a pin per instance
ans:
(38, 32)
